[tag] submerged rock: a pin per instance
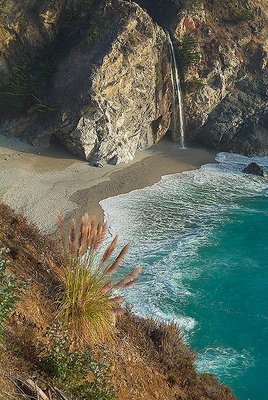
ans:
(255, 169)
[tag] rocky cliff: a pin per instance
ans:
(96, 74)
(110, 93)
(227, 108)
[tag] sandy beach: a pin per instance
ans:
(37, 182)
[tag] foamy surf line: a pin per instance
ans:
(217, 184)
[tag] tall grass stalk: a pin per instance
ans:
(88, 305)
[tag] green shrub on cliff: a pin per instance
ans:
(22, 90)
(17, 94)
(70, 369)
(11, 290)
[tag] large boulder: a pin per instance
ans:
(255, 169)
(240, 122)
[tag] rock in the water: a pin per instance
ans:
(255, 169)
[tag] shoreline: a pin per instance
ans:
(37, 181)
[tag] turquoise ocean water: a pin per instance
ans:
(202, 240)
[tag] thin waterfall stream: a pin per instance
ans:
(177, 94)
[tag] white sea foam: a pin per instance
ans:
(226, 361)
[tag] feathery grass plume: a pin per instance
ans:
(61, 230)
(109, 250)
(88, 305)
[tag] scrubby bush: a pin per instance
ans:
(88, 304)
(11, 290)
(83, 374)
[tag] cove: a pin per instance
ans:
(201, 238)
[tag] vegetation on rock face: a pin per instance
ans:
(22, 90)
(18, 92)
(186, 54)
(88, 305)
(92, 34)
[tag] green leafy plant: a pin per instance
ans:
(186, 54)
(71, 369)
(11, 290)
(88, 305)
(92, 34)
(18, 93)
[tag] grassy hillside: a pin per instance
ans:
(143, 359)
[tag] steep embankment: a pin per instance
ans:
(147, 360)
(96, 73)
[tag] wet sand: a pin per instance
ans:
(37, 182)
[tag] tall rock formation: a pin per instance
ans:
(228, 109)
(111, 91)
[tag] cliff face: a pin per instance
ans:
(229, 109)
(99, 76)
(111, 88)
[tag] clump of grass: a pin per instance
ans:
(88, 305)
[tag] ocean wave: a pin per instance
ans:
(227, 362)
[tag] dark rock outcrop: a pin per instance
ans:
(255, 169)
(240, 122)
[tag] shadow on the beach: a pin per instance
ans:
(54, 150)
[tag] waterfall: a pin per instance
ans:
(177, 95)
